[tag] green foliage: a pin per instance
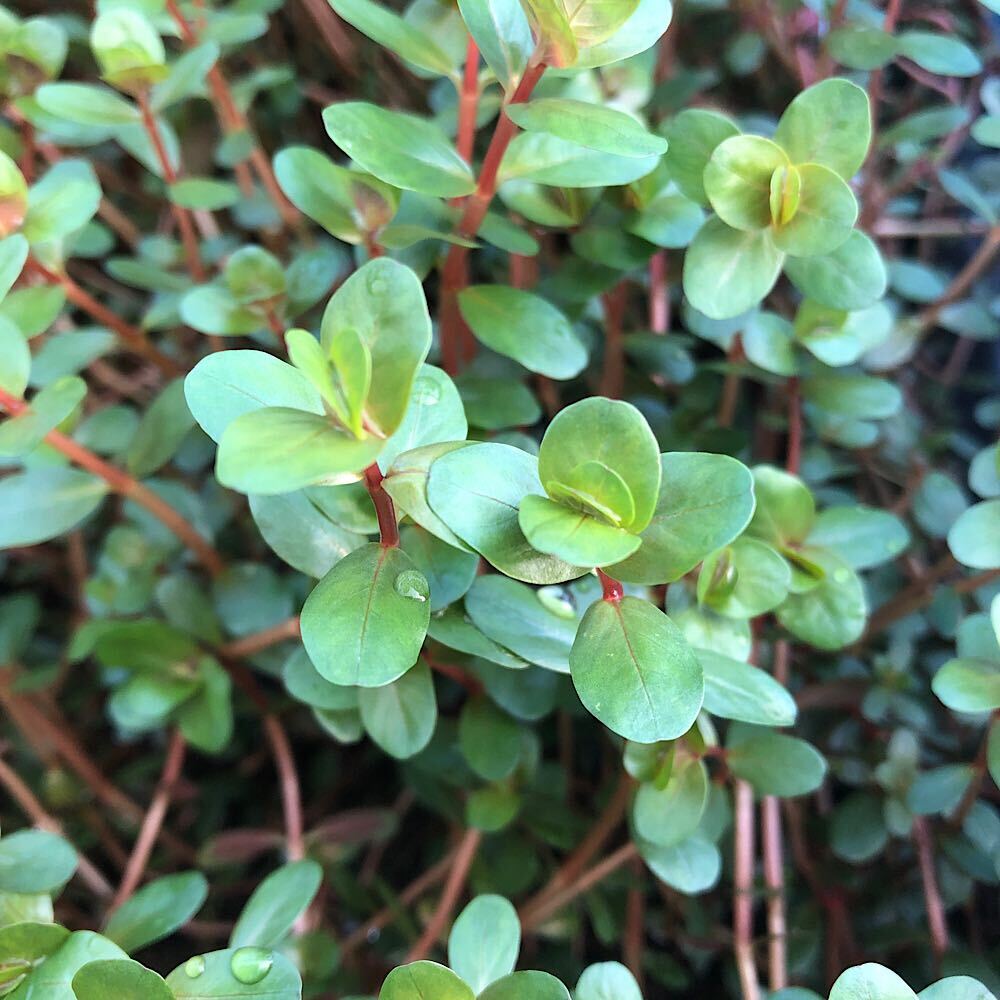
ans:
(461, 463)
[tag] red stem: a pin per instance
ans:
(454, 275)
(121, 482)
(467, 102)
(613, 590)
(384, 509)
(185, 224)
(743, 870)
(659, 303)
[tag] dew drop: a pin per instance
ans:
(841, 575)
(556, 600)
(194, 967)
(377, 286)
(426, 392)
(412, 585)
(250, 965)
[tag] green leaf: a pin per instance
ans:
(421, 980)
(555, 42)
(15, 359)
(857, 830)
(157, 910)
(727, 272)
(278, 450)
(476, 492)
(276, 904)
(211, 976)
(974, 539)
(745, 693)
(786, 510)
(775, 764)
(406, 483)
(705, 501)
(35, 861)
(120, 978)
(737, 180)
(383, 303)
(858, 396)
(502, 34)
(526, 986)
(435, 415)
(449, 571)
(851, 277)
(161, 431)
(403, 150)
(53, 977)
(642, 30)
(65, 199)
(693, 137)
(941, 54)
(342, 201)
(206, 720)
(45, 502)
(968, 685)
(490, 739)
(49, 408)
(832, 614)
(668, 815)
(607, 981)
(573, 535)
(594, 448)
(393, 32)
(691, 867)
(523, 326)
(547, 159)
(400, 717)
(860, 46)
(484, 941)
(956, 988)
(302, 533)
(212, 309)
(13, 254)
(365, 622)
(590, 125)
(519, 619)
(186, 77)
(86, 104)
(634, 671)
(227, 384)
(204, 193)
(862, 536)
(824, 217)
(867, 982)
(829, 124)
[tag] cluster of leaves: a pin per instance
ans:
(574, 457)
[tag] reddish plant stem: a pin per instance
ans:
(291, 796)
(468, 99)
(454, 275)
(250, 645)
(588, 848)
(731, 386)
(743, 872)
(125, 485)
(587, 880)
(185, 224)
(233, 120)
(133, 337)
(659, 300)
(153, 821)
(35, 811)
(385, 510)
(275, 325)
(932, 894)
(613, 590)
(453, 887)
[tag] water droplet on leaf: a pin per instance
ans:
(412, 584)
(251, 965)
(376, 286)
(556, 600)
(194, 967)
(841, 575)
(426, 392)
